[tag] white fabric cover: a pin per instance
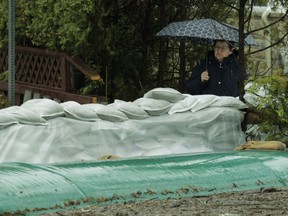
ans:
(69, 140)
(24, 116)
(45, 107)
(6, 120)
(144, 127)
(153, 107)
(81, 113)
(69, 103)
(106, 113)
(131, 110)
(193, 103)
(75, 110)
(228, 101)
(168, 94)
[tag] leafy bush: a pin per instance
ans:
(3, 101)
(272, 105)
(4, 76)
(93, 87)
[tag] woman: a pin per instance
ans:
(218, 74)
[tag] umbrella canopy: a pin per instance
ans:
(203, 31)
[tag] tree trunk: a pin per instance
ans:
(162, 50)
(241, 56)
(146, 10)
(182, 72)
(241, 49)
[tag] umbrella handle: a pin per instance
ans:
(206, 68)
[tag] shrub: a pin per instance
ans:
(272, 106)
(3, 100)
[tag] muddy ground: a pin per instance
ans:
(267, 201)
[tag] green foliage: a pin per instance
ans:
(272, 106)
(4, 76)
(118, 35)
(93, 87)
(3, 23)
(3, 101)
(126, 84)
(57, 25)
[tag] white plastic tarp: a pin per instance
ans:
(69, 140)
(162, 122)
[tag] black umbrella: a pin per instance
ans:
(203, 31)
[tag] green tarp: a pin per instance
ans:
(29, 188)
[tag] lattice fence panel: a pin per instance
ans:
(39, 69)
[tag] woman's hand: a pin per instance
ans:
(205, 76)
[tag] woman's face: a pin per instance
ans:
(221, 50)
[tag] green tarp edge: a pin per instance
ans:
(32, 188)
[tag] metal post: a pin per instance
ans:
(11, 53)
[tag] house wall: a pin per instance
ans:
(272, 58)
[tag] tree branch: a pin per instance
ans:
(277, 42)
(271, 24)
(229, 5)
(250, 13)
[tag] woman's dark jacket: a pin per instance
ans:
(224, 77)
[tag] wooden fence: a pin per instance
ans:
(47, 74)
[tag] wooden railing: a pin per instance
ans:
(47, 73)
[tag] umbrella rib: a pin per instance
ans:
(213, 24)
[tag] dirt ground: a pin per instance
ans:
(267, 201)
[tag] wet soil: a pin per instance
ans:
(267, 201)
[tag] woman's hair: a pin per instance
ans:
(235, 52)
(231, 44)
